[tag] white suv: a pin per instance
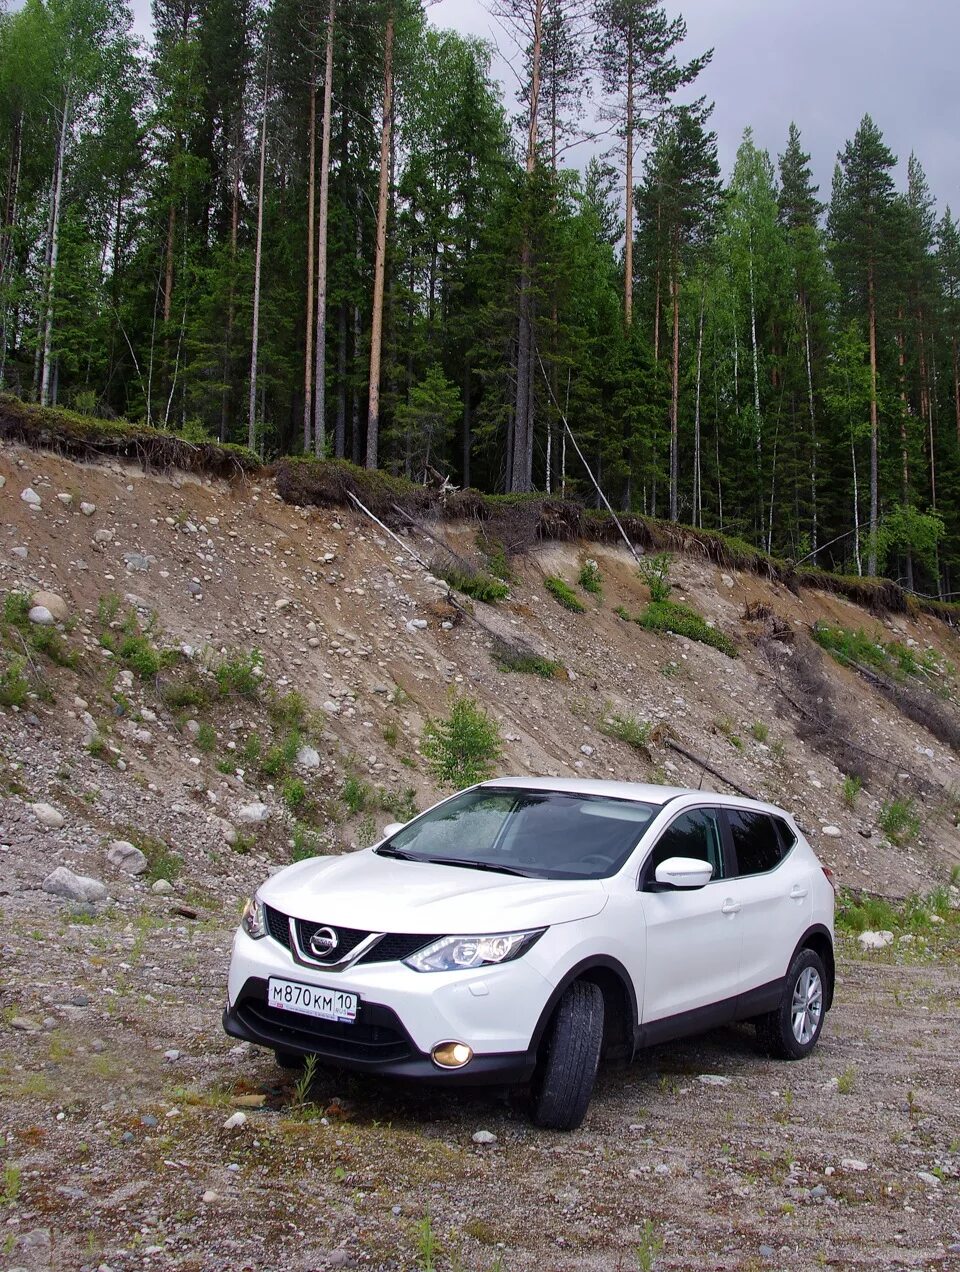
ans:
(524, 928)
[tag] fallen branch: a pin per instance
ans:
(696, 759)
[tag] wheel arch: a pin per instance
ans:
(818, 939)
(620, 1010)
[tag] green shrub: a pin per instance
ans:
(401, 805)
(510, 658)
(654, 571)
(479, 586)
(16, 608)
(590, 578)
(623, 613)
(355, 794)
(162, 861)
(48, 641)
(496, 555)
(463, 748)
(899, 820)
(252, 748)
(206, 739)
(627, 729)
(185, 691)
(669, 616)
(563, 594)
(850, 792)
(239, 675)
(294, 793)
(306, 843)
(279, 757)
(759, 731)
(848, 646)
(14, 686)
(288, 710)
(390, 733)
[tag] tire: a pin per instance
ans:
(569, 1059)
(289, 1060)
(791, 1031)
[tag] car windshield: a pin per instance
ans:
(544, 834)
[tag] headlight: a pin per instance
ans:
(253, 920)
(453, 953)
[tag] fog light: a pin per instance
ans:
(452, 1055)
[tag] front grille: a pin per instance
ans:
(393, 947)
(375, 1036)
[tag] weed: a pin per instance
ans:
(390, 734)
(563, 594)
(306, 843)
(863, 914)
(427, 1245)
(11, 1184)
(520, 658)
(16, 609)
(668, 616)
(206, 739)
(777, 749)
(279, 757)
(304, 1083)
(288, 711)
(49, 642)
(850, 791)
(162, 861)
(401, 805)
(654, 571)
(367, 830)
(186, 691)
(108, 608)
(239, 675)
(226, 766)
(477, 585)
(648, 1247)
(623, 613)
(14, 686)
(355, 793)
(627, 729)
(899, 820)
(252, 746)
(590, 578)
(759, 731)
(847, 1080)
(294, 793)
(496, 555)
(463, 748)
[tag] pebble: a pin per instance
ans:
(88, 509)
(586, 750)
(24, 1024)
(171, 1055)
(415, 624)
(484, 1137)
(149, 1121)
(715, 1080)
(65, 498)
(103, 536)
(235, 1120)
(125, 856)
(47, 815)
(30, 497)
(927, 1178)
(210, 1196)
(832, 831)
(853, 1163)
(64, 883)
(308, 757)
(19, 551)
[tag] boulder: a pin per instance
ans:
(30, 497)
(51, 601)
(47, 816)
(308, 757)
(40, 615)
(253, 814)
(64, 883)
(126, 857)
(875, 940)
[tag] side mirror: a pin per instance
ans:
(684, 872)
(392, 829)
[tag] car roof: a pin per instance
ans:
(647, 792)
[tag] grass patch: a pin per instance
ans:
(654, 571)
(162, 861)
(682, 620)
(206, 739)
(306, 843)
(759, 731)
(590, 578)
(475, 584)
(522, 659)
(238, 675)
(899, 820)
(14, 685)
(288, 710)
(623, 613)
(401, 805)
(635, 733)
(294, 792)
(564, 594)
(355, 794)
(850, 791)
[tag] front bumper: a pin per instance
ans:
(376, 1042)
(402, 1014)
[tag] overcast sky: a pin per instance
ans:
(822, 63)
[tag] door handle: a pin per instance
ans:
(730, 907)
(797, 893)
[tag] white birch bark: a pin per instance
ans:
(320, 354)
(47, 361)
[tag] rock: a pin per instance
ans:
(192, 727)
(47, 815)
(253, 814)
(484, 1137)
(726, 580)
(65, 498)
(235, 1120)
(210, 1196)
(57, 606)
(415, 624)
(88, 509)
(308, 757)
(138, 561)
(853, 1163)
(171, 1055)
(933, 1180)
(149, 1121)
(832, 831)
(127, 857)
(586, 750)
(162, 887)
(767, 1252)
(80, 1000)
(715, 1080)
(40, 615)
(282, 604)
(875, 940)
(64, 883)
(103, 536)
(25, 1024)
(3, 481)
(19, 551)
(339, 1259)
(30, 497)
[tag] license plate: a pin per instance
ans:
(312, 1000)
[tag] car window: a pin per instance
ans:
(756, 840)
(695, 833)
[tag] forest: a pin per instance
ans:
(321, 227)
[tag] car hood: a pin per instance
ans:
(381, 894)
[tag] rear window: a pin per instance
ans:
(757, 840)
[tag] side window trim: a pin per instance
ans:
(779, 827)
(717, 810)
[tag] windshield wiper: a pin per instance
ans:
(386, 851)
(480, 865)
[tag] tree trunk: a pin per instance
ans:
(697, 500)
(874, 426)
(955, 348)
(311, 203)
(320, 369)
(258, 259)
(340, 428)
(232, 293)
(379, 269)
(628, 248)
(59, 162)
(675, 395)
(814, 517)
(856, 506)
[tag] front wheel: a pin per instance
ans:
(790, 1032)
(569, 1061)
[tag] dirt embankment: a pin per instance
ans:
(115, 1079)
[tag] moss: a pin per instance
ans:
(670, 616)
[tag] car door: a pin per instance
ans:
(693, 934)
(773, 887)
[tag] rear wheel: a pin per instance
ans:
(571, 1053)
(791, 1031)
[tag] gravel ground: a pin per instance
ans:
(115, 1077)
